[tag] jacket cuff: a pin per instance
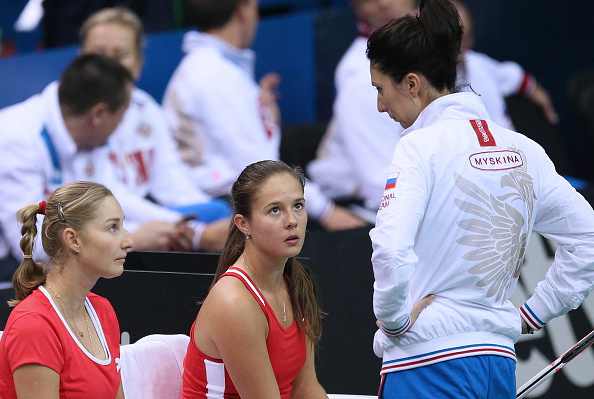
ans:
(198, 230)
(530, 314)
(396, 331)
(528, 85)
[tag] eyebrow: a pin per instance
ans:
(280, 202)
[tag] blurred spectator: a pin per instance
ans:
(46, 140)
(354, 155)
(62, 19)
(142, 151)
(221, 118)
(494, 80)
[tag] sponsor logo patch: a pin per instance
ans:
(496, 160)
(483, 133)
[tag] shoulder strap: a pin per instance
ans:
(249, 284)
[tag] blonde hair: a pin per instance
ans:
(115, 15)
(71, 205)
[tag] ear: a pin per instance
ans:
(139, 67)
(71, 239)
(242, 223)
(97, 113)
(413, 83)
(241, 9)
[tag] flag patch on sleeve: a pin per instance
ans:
(392, 179)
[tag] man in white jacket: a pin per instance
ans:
(46, 141)
(221, 118)
(354, 155)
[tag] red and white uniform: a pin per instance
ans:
(206, 377)
(36, 332)
(146, 163)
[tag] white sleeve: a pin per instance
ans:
(239, 135)
(201, 118)
(510, 76)
(170, 183)
(565, 217)
(183, 115)
(139, 210)
(393, 238)
(331, 170)
(24, 175)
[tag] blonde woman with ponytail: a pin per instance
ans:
(61, 340)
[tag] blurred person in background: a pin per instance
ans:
(220, 117)
(143, 154)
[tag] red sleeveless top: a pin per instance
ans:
(204, 375)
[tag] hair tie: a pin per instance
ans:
(27, 256)
(42, 206)
(61, 216)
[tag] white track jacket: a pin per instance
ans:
(461, 200)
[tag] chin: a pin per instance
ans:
(295, 251)
(116, 271)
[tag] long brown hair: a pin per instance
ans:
(71, 205)
(302, 290)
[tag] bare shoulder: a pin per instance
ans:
(229, 317)
(230, 299)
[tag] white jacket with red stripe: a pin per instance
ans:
(462, 198)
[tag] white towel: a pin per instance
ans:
(152, 367)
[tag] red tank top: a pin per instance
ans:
(207, 377)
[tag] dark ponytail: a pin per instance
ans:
(428, 44)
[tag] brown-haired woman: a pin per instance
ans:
(255, 333)
(462, 199)
(61, 340)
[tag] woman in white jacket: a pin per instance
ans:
(462, 198)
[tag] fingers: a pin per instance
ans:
(270, 81)
(419, 306)
(181, 239)
(342, 219)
